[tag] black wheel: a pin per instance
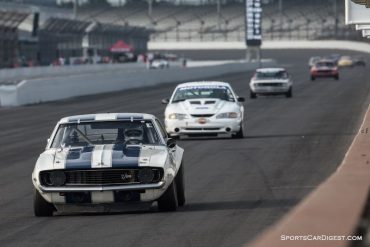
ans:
(336, 77)
(41, 207)
(289, 94)
(240, 133)
(313, 78)
(180, 186)
(168, 201)
(253, 95)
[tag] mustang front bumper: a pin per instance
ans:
(200, 126)
(270, 89)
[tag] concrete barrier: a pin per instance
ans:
(282, 44)
(55, 88)
(334, 209)
(17, 74)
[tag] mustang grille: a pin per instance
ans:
(199, 129)
(101, 177)
(202, 115)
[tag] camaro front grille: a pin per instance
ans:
(202, 115)
(100, 177)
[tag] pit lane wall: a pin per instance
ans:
(281, 44)
(60, 87)
(335, 210)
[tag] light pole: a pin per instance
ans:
(75, 7)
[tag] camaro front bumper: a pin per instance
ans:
(103, 194)
(201, 126)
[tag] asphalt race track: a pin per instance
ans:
(234, 188)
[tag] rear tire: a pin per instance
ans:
(336, 77)
(313, 78)
(41, 207)
(168, 201)
(180, 186)
(253, 95)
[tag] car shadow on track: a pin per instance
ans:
(199, 207)
(238, 205)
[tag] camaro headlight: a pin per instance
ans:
(228, 115)
(178, 116)
(57, 178)
(145, 175)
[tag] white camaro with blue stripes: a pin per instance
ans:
(108, 162)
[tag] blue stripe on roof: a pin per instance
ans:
(82, 118)
(123, 116)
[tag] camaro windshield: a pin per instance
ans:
(94, 133)
(201, 92)
(272, 74)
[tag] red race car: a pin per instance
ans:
(324, 68)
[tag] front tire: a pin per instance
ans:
(336, 77)
(180, 186)
(240, 133)
(289, 94)
(253, 95)
(168, 201)
(41, 207)
(313, 78)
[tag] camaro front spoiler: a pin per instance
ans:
(158, 185)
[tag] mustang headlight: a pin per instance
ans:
(228, 115)
(178, 116)
(57, 178)
(145, 175)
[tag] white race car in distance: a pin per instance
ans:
(159, 64)
(106, 163)
(204, 108)
(271, 81)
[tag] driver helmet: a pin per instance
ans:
(133, 134)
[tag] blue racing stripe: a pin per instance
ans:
(124, 157)
(79, 158)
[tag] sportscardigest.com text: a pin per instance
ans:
(310, 237)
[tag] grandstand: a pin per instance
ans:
(298, 19)
(164, 21)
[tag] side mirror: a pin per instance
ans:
(171, 143)
(47, 143)
(241, 99)
(165, 101)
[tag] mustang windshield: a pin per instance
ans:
(93, 133)
(272, 75)
(203, 92)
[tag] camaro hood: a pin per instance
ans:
(104, 156)
(201, 106)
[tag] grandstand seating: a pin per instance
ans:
(300, 19)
